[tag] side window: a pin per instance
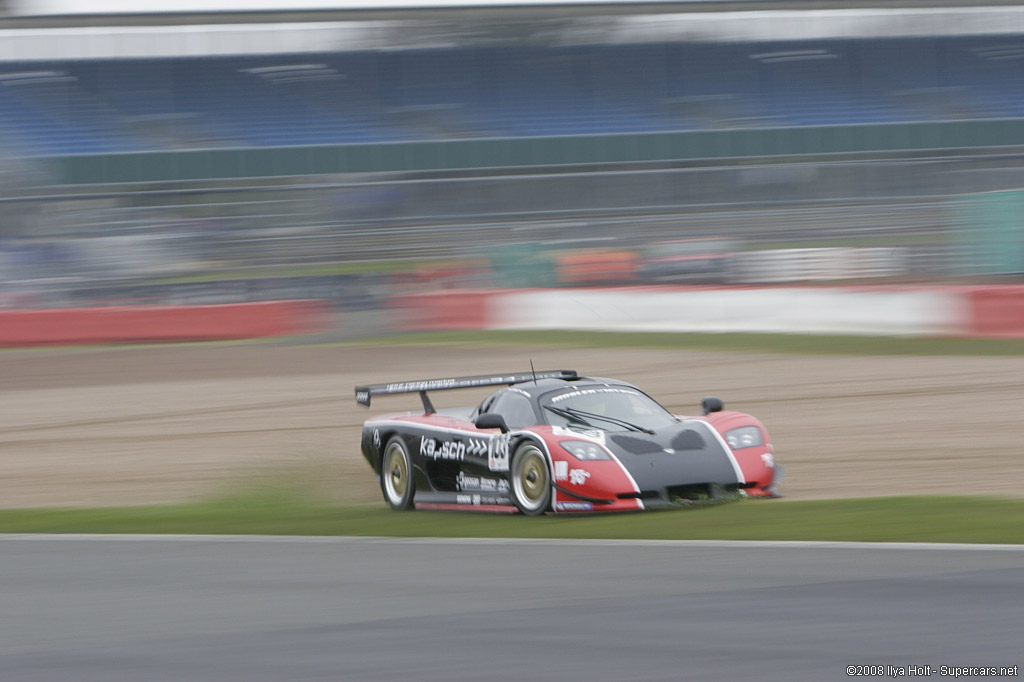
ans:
(515, 408)
(486, 405)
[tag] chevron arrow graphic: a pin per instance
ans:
(476, 447)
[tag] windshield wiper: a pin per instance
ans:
(570, 415)
(580, 415)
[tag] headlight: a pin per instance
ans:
(744, 437)
(584, 451)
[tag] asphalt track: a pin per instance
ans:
(182, 609)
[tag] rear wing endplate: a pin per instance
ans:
(365, 393)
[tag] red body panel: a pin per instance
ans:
(758, 462)
(578, 485)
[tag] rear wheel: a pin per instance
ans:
(531, 482)
(396, 481)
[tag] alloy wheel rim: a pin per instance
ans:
(396, 475)
(531, 479)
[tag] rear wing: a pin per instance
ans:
(365, 393)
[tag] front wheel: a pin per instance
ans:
(396, 475)
(531, 483)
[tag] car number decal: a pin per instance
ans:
(497, 454)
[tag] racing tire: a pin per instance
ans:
(396, 477)
(531, 480)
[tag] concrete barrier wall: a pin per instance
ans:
(148, 324)
(974, 311)
(882, 311)
(450, 309)
(789, 310)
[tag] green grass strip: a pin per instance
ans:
(758, 343)
(890, 519)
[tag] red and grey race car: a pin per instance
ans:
(557, 441)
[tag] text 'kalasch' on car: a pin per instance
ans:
(556, 441)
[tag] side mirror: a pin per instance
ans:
(491, 420)
(712, 404)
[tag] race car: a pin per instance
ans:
(557, 441)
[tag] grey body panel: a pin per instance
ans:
(687, 454)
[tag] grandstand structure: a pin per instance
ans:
(433, 77)
(341, 131)
(67, 107)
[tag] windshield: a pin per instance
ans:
(611, 408)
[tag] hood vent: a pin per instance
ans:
(637, 446)
(688, 440)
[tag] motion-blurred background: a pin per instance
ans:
(221, 152)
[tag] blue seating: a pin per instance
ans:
(83, 107)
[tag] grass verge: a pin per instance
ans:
(888, 519)
(758, 343)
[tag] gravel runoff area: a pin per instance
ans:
(161, 424)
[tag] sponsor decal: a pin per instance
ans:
(497, 453)
(768, 459)
(578, 476)
(466, 482)
(576, 432)
(573, 506)
(363, 397)
(593, 391)
(573, 476)
(478, 500)
(459, 382)
(561, 471)
(445, 449)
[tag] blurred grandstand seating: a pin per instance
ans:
(82, 107)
